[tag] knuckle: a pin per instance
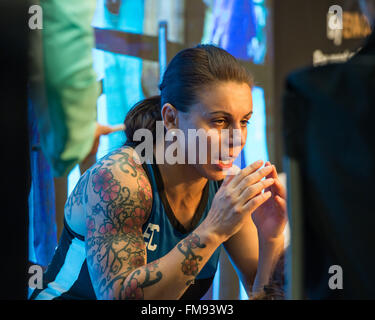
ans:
(245, 183)
(258, 200)
(229, 198)
(254, 166)
(269, 169)
(265, 196)
(264, 171)
(237, 209)
(259, 174)
(243, 173)
(267, 182)
(248, 179)
(246, 192)
(252, 204)
(251, 190)
(232, 200)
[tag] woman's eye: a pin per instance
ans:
(244, 123)
(219, 121)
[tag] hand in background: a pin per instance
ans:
(101, 130)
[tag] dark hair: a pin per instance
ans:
(189, 72)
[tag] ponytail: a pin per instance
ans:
(143, 115)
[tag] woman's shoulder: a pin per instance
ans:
(119, 179)
(122, 162)
(121, 154)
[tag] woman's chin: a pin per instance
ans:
(215, 172)
(211, 172)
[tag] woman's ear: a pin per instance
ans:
(169, 115)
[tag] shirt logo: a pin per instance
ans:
(148, 235)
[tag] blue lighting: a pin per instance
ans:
(162, 48)
(216, 284)
(256, 143)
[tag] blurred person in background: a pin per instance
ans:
(63, 131)
(328, 127)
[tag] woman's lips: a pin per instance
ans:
(225, 164)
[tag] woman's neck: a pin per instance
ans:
(183, 189)
(182, 182)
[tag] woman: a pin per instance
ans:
(153, 231)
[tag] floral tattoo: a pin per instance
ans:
(190, 265)
(116, 211)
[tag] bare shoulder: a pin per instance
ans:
(119, 180)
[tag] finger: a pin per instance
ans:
(104, 130)
(257, 201)
(281, 203)
(274, 172)
(268, 176)
(119, 127)
(246, 171)
(253, 178)
(255, 189)
(279, 189)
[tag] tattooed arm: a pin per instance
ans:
(119, 203)
(170, 276)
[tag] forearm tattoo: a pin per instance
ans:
(190, 265)
(140, 279)
(114, 240)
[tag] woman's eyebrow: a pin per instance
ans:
(229, 114)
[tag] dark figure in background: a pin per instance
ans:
(328, 127)
(14, 141)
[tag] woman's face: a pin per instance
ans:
(224, 107)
